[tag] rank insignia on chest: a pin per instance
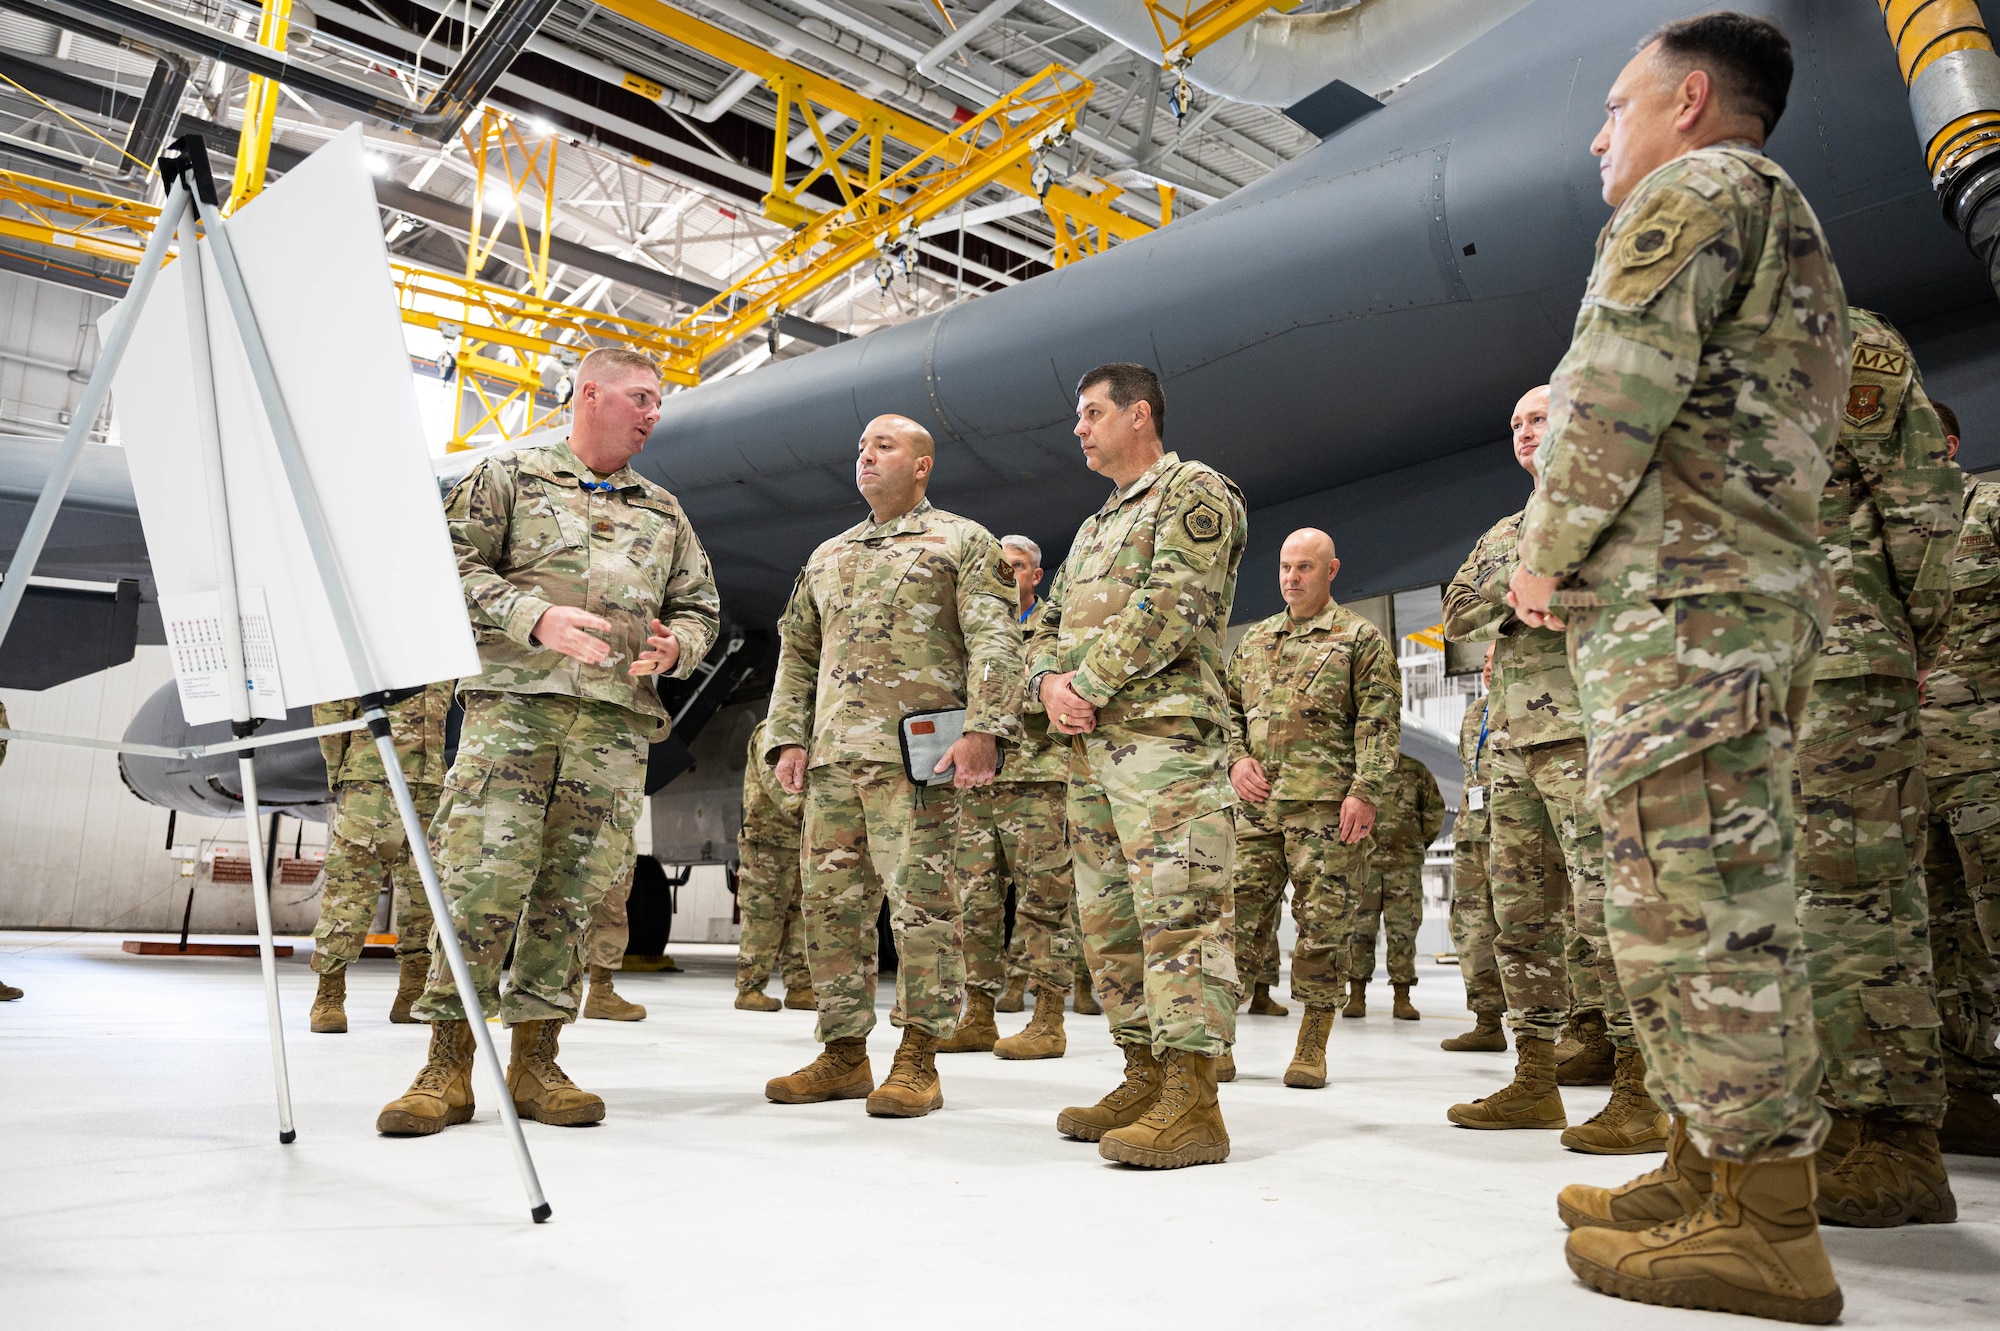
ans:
(1649, 244)
(1864, 404)
(1203, 523)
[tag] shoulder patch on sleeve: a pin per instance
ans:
(1876, 388)
(1203, 522)
(1651, 249)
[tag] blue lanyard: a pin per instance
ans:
(598, 487)
(1479, 751)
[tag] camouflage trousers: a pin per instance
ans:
(1072, 942)
(610, 929)
(1298, 840)
(1016, 831)
(366, 847)
(870, 834)
(1153, 841)
(771, 899)
(1392, 905)
(1691, 706)
(1473, 928)
(535, 827)
(1962, 877)
(1862, 901)
(1548, 882)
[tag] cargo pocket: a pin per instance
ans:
(458, 831)
(1903, 1024)
(1648, 774)
(1655, 735)
(1733, 1023)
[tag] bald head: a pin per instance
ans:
(1528, 424)
(1306, 570)
(892, 465)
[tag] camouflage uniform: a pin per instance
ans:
(1320, 706)
(366, 843)
(768, 892)
(1017, 830)
(889, 618)
(1690, 424)
(1472, 926)
(1138, 611)
(1547, 857)
(537, 818)
(1961, 728)
(1888, 521)
(1409, 818)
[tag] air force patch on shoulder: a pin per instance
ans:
(1864, 405)
(1649, 243)
(1203, 523)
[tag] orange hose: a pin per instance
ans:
(1923, 30)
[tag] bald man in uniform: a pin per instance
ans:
(910, 610)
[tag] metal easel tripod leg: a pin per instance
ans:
(200, 354)
(189, 156)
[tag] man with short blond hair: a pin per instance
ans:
(584, 581)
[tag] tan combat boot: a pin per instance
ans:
(8, 993)
(412, 973)
(1753, 1247)
(801, 999)
(1585, 1056)
(1225, 1066)
(1307, 1070)
(442, 1093)
(1263, 1005)
(1084, 1001)
(1403, 1009)
(1126, 1103)
(1531, 1100)
(1631, 1123)
(1485, 1037)
(1677, 1188)
(541, 1090)
(1357, 999)
(329, 1009)
(756, 1000)
(1895, 1176)
(1843, 1134)
(976, 1029)
(604, 1003)
(1015, 997)
(1043, 1036)
(1183, 1127)
(841, 1072)
(1971, 1124)
(912, 1088)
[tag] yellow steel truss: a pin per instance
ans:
(1187, 29)
(260, 110)
(816, 98)
(997, 140)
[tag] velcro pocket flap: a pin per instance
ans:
(1899, 1007)
(1655, 735)
(468, 775)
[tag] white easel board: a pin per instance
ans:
(312, 256)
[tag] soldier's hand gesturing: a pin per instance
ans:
(566, 629)
(663, 652)
(1357, 820)
(1249, 779)
(976, 759)
(1068, 711)
(792, 768)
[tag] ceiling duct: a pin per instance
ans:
(1280, 59)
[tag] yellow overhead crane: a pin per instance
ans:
(1085, 223)
(498, 334)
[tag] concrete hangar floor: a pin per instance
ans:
(142, 1184)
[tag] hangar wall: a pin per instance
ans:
(79, 851)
